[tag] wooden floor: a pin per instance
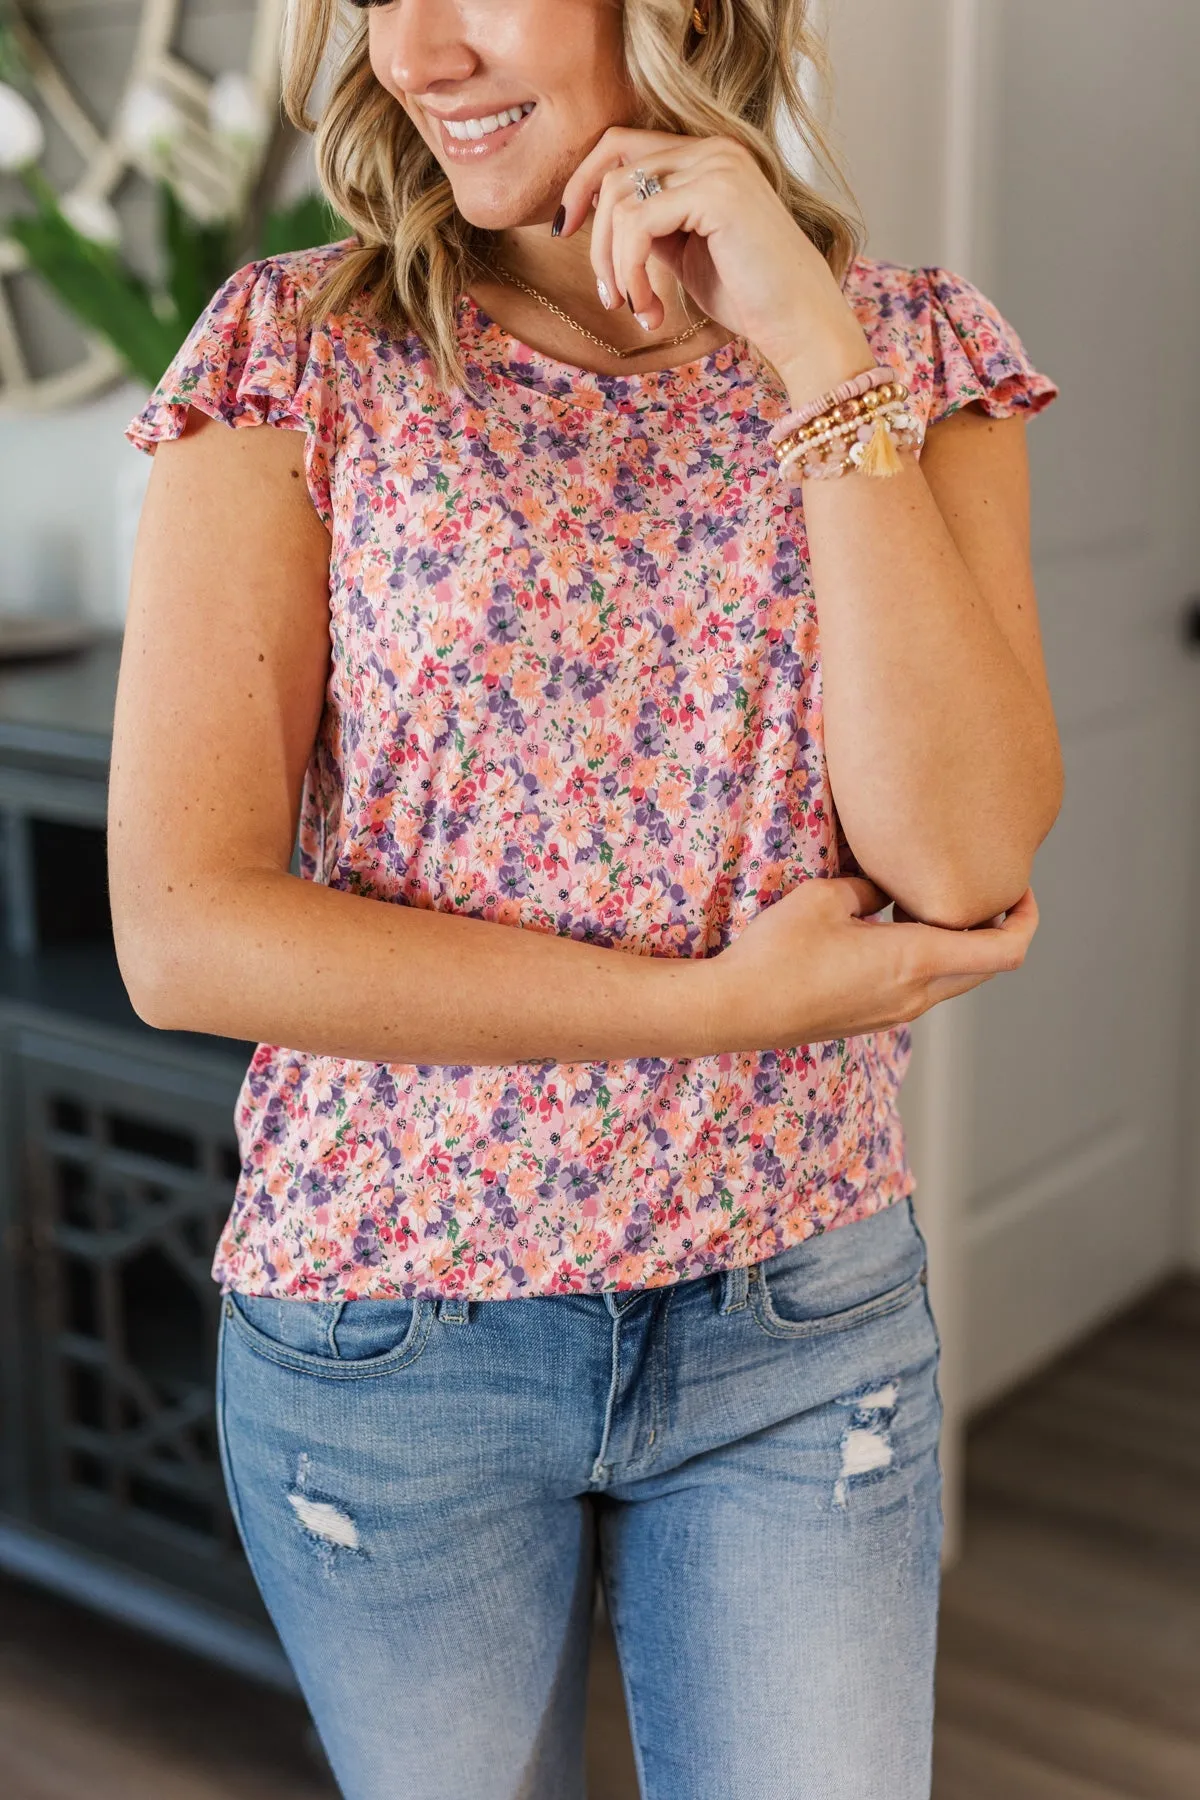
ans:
(1070, 1644)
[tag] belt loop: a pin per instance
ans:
(735, 1286)
(454, 1309)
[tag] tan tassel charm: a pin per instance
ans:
(863, 431)
(880, 458)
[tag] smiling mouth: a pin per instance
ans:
(480, 137)
(463, 130)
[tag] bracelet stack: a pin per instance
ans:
(862, 425)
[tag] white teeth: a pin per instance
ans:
(477, 128)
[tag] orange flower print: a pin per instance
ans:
(574, 643)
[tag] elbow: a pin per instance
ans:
(984, 877)
(177, 957)
(154, 955)
(958, 907)
(167, 927)
(1048, 797)
(958, 896)
(146, 985)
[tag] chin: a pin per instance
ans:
(489, 218)
(499, 215)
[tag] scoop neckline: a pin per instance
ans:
(554, 376)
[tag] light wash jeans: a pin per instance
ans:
(425, 1490)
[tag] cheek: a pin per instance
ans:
(377, 54)
(380, 71)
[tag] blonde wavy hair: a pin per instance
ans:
(415, 251)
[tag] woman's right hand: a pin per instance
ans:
(814, 965)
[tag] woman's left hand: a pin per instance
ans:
(721, 228)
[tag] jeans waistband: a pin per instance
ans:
(734, 1287)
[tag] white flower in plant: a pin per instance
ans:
(92, 218)
(152, 123)
(22, 138)
(236, 112)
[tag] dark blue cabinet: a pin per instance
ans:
(117, 1167)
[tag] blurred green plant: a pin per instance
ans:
(74, 242)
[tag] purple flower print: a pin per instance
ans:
(503, 618)
(578, 1183)
(424, 566)
(368, 1253)
(263, 1205)
(657, 757)
(500, 1207)
(585, 683)
(637, 1232)
(275, 1125)
(383, 1085)
(648, 732)
(310, 1188)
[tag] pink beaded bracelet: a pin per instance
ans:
(853, 389)
(870, 445)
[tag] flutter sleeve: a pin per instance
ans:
(247, 361)
(976, 356)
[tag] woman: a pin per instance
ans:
(559, 1046)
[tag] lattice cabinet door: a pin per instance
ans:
(127, 1173)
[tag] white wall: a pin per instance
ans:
(58, 541)
(889, 124)
(922, 87)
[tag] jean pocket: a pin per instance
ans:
(337, 1340)
(843, 1277)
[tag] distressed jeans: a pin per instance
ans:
(427, 1489)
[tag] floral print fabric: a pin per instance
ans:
(575, 687)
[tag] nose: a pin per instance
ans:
(423, 46)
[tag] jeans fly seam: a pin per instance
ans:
(598, 1470)
(658, 1427)
(634, 1467)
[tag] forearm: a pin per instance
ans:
(271, 957)
(942, 763)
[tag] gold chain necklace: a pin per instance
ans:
(634, 350)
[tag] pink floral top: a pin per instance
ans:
(575, 687)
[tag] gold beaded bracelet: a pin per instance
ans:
(878, 423)
(849, 414)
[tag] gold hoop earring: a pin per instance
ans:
(699, 22)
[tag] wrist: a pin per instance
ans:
(696, 1003)
(679, 1003)
(710, 1007)
(825, 364)
(721, 1020)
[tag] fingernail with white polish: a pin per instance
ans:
(602, 290)
(643, 320)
